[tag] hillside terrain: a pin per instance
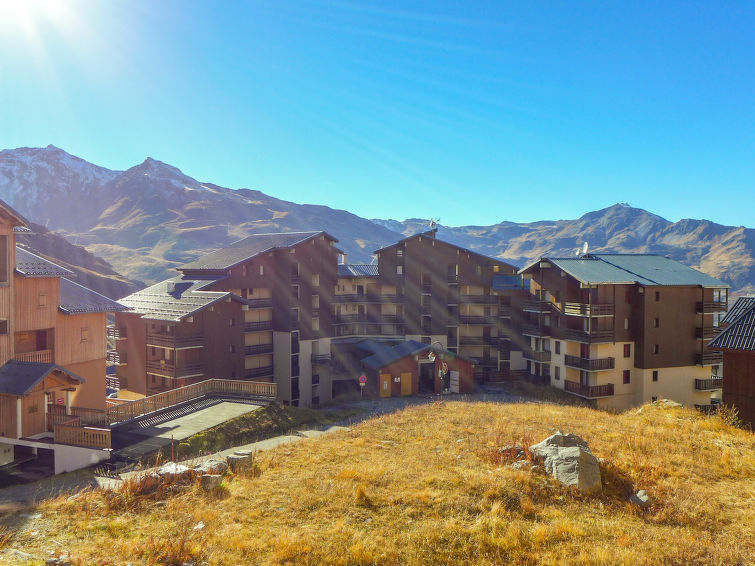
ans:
(432, 484)
(150, 218)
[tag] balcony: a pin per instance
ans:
(257, 349)
(590, 364)
(453, 278)
(588, 310)
(593, 336)
(536, 356)
(479, 299)
(260, 303)
(40, 356)
(707, 332)
(481, 340)
(536, 306)
(116, 333)
(257, 373)
(504, 311)
(320, 359)
(368, 298)
(294, 278)
(710, 384)
(588, 391)
(427, 288)
(171, 341)
(168, 368)
(478, 319)
(485, 362)
(258, 325)
(710, 307)
(709, 359)
(116, 357)
(529, 329)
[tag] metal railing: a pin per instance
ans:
(258, 325)
(589, 364)
(41, 356)
(710, 384)
(260, 303)
(256, 373)
(588, 391)
(116, 357)
(255, 349)
(171, 341)
(171, 369)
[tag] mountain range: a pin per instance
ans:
(150, 218)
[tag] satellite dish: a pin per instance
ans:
(584, 248)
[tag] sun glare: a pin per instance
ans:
(31, 18)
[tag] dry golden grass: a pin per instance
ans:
(424, 486)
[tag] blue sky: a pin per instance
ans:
(471, 112)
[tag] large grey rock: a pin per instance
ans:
(568, 458)
(210, 482)
(211, 467)
(238, 462)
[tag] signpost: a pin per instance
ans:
(362, 383)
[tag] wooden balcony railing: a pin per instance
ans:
(368, 298)
(593, 336)
(533, 330)
(171, 369)
(588, 310)
(536, 356)
(116, 357)
(256, 349)
(588, 391)
(259, 325)
(479, 299)
(707, 332)
(590, 364)
(146, 405)
(481, 340)
(171, 341)
(116, 333)
(75, 435)
(536, 306)
(709, 359)
(485, 362)
(710, 384)
(258, 373)
(41, 356)
(260, 303)
(478, 319)
(710, 307)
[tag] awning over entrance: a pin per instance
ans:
(22, 378)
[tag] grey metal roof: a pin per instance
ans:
(357, 270)
(645, 269)
(29, 264)
(390, 355)
(19, 378)
(507, 282)
(739, 335)
(175, 299)
(742, 304)
(77, 299)
(248, 248)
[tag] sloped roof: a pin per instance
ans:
(29, 264)
(77, 299)
(645, 269)
(248, 248)
(743, 304)
(357, 270)
(390, 355)
(176, 298)
(15, 218)
(19, 378)
(739, 335)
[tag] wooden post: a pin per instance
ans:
(19, 417)
(68, 402)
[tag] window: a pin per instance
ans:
(231, 322)
(315, 378)
(627, 350)
(3, 326)
(626, 324)
(478, 270)
(4, 259)
(546, 345)
(655, 375)
(315, 301)
(232, 349)
(42, 300)
(262, 269)
(656, 322)
(243, 270)
(399, 253)
(657, 296)
(316, 401)
(84, 333)
(656, 349)
(315, 324)
(627, 376)
(399, 270)
(557, 370)
(628, 297)
(558, 348)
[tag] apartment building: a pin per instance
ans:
(259, 309)
(737, 344)
(52, 356)
(623, 329)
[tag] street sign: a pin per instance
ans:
(362, 379)
(60, 401)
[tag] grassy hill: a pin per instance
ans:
(430, 485)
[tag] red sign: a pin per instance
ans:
(362, 378)
(60, 401)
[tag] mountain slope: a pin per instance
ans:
(726, 252)
(152, 217)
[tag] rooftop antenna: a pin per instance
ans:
(433, 222)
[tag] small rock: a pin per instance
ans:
(198, 527)
(210, 481)
(520, 465)
(641, 499)
(237, 462)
